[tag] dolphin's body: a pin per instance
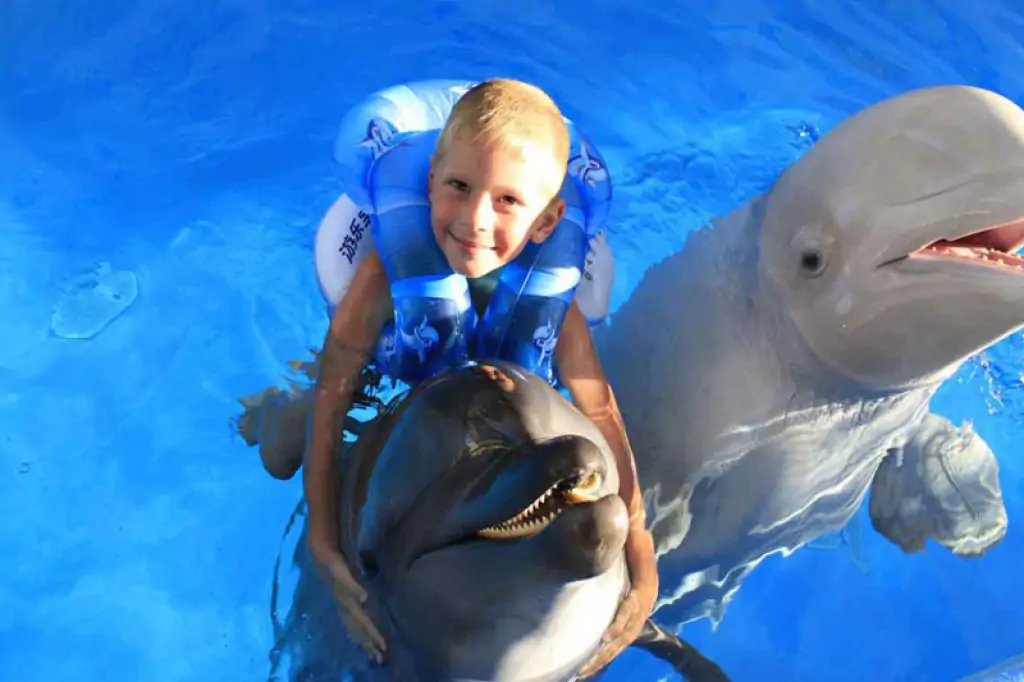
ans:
(783, 361)
(481, 513)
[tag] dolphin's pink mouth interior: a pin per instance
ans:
(995, 246)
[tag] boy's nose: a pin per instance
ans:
(480, 216)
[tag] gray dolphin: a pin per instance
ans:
(783, 361)
(481, 513)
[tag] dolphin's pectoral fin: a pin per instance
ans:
(944, 484)
(683, 658)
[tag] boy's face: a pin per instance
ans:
(486, 202)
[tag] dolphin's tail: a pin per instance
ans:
(683, 658)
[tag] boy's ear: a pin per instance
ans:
(548, 220)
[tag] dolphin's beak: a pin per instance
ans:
(1006, 238)
(571, 471)
(517, 495)
(579, 488)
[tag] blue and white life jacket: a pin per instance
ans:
(383, 152)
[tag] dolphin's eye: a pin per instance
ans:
(812, 262)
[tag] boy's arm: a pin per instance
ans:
(581, 372)
(355, 327)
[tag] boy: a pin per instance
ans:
(493, 186)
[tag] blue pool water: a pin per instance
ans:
(163, 166)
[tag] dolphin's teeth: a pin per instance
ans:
(545, 508)
(979, 253)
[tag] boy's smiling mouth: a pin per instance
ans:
(474, 246)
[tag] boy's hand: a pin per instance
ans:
(636, 608)
(349, 595)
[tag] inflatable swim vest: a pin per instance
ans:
(382, 151)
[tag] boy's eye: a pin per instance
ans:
(458, 185)
(510, 200)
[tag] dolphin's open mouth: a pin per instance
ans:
(579, 488)
(994, 246)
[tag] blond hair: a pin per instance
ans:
(507, 112)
